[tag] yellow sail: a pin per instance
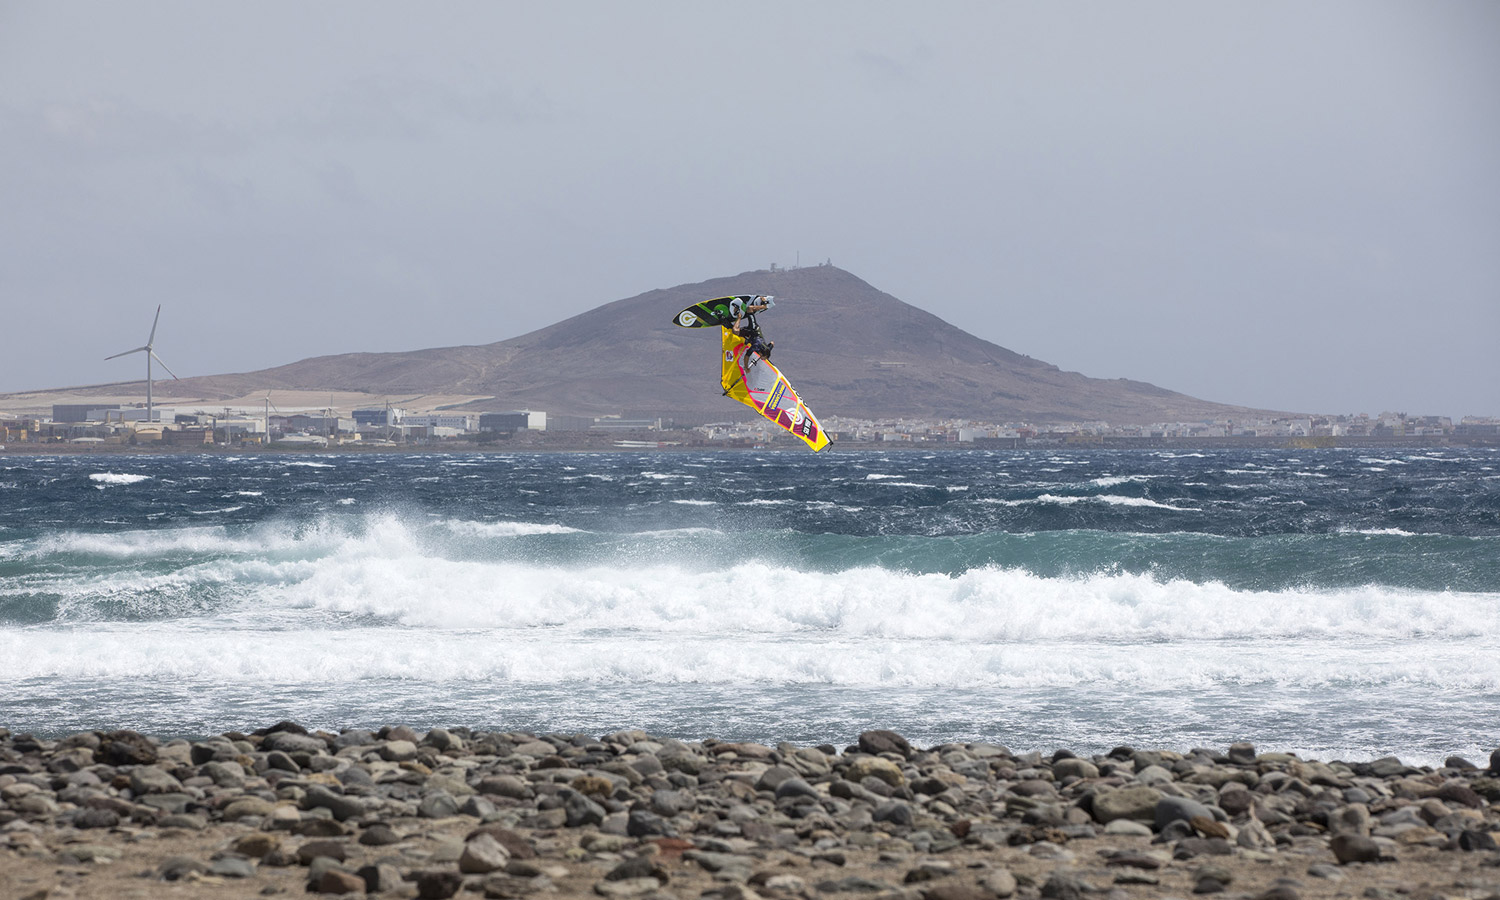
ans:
(751, 379)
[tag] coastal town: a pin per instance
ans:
(85, 426)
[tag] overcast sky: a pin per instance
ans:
(1291, 205)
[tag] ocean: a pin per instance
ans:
(1334, 603)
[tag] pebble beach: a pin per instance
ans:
(398, 812)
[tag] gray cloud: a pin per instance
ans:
(1274, 204)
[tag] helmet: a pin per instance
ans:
(736, 307)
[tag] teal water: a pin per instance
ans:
(1332, 602)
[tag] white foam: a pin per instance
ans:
(505, 529)
(1110, 499)
(1115, 480)
(108, 478)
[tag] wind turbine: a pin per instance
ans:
(150, 355)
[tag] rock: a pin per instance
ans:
(1187, 848)
(1242, 753)
(1137, 860)
(1207, 827)
(438, 885)
(256, 845)
(1128, 826)
(1348, 848)
(669, 803)
(875, 767)
(247, 806)
(437, 805)
(1221, 874)
(334, 850)
(795, 787)
(1453, 792)
(953, 890)
(535, 749)
(630, 887)
(175, 868)
(1353, 819)
(1325, 871)
(125, 748)
(232, 867)
(1477, 840)
(398, 751)
(152, 780)
(999, 882)
(506, 786)
(516, 845)
(895, 812)
(170, 802)
(1065, 885)
(1388, 767)
(443, 740)
(380, 878)
(772, 777)
(1171, 809)
(1137, 803)
(1075, 768)
(581, 810)
(355, 737)
(224, 774)
(593, 786)
(96, 818)
(342, 806)
(319, 827)
(883, 741)
(478, 807)
(643, 823)
(1254, 836)
(337, 881)
(481, 855)
(638, 867)
(1136, 876)
(853, 884)
(379, 835)
(290, 742)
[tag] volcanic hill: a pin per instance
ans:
(850, 349)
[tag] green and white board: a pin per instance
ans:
(715, 313)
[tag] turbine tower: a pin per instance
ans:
(150, 355)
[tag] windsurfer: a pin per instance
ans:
(745, 327)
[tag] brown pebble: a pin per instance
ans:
(336, 882)
(1208, 827)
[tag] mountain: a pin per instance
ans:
(850, 349)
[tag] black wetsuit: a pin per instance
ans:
(751, 333)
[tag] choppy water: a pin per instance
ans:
(1338, 603)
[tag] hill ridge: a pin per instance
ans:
(850, 349)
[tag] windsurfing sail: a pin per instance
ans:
(751, 379)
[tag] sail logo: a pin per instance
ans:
(687, 319)
(775, 400)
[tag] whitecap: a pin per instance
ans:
(107, 478)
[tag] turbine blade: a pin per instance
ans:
(164, 365)
(127, 352)
(151, 341)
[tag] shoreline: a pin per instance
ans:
(668, 445)
(455, 812)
